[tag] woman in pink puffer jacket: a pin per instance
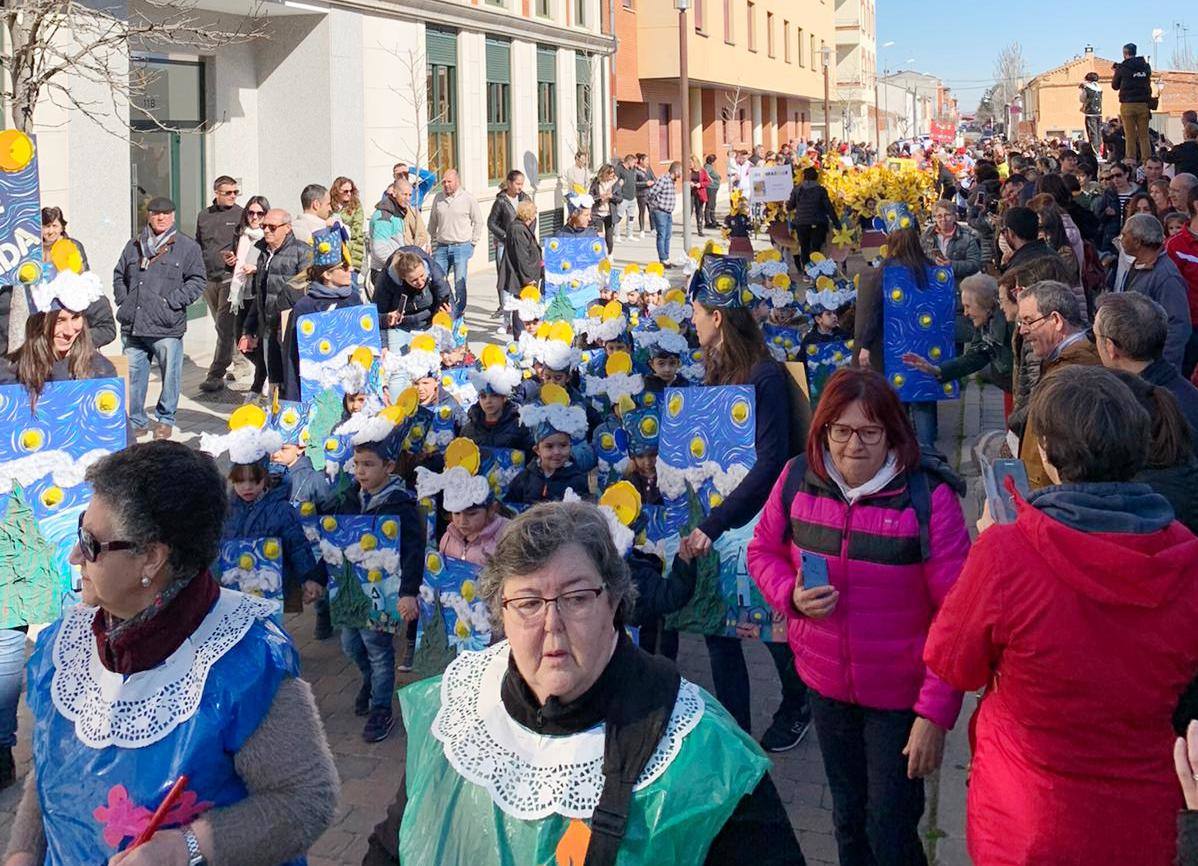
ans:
(880, 715)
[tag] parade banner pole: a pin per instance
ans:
(684, 97)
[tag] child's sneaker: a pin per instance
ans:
(378, 726)
(409, 652)
(362, 701)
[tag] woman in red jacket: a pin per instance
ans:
(858, 544)
(1079, 618)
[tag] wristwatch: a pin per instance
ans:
(194, 857)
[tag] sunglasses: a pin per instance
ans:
(91, 548)
(256, 213)
(272, 228)
(229, 192)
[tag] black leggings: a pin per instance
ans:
(609, 223)
(255, 355)
(699, 204)
(811, 240)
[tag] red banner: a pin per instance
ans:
(944, 131)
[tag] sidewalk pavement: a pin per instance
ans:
(371, 774)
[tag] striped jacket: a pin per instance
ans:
(869, 650)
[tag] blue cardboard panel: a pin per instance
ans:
(822, 360)
(326, 341)
(20, 212)
(254, 566)
(783, 337)
(44, 452)
(572, 263)
(463, 612)
(918, 320)
(708, 424)
(362, 555)
(500, 466)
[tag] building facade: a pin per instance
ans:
(343, 89)
(854, 114)
(1052, 108)
(755, 71)
(910, 101)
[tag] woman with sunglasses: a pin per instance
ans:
(331, 286)
(859, 543)
(160, 677)
(241, 290)
(347, 207)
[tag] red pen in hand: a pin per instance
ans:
(168, 802)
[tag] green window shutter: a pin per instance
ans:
(441, 47)
(499, 61)
(582, 68)
(546, 64)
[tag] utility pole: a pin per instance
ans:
(685, 98)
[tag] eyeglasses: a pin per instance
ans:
(233, 192)
(273, 227)
(871, 434)
(346, 190)
(91, 548)
(255, 213)
(1027, 325)
(573, 606)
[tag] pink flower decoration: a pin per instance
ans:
(124, 820)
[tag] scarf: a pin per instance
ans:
(323, 292)
(153, 244)
(147, 638)
(881, 478)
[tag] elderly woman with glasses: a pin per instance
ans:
(565, 742)
(163, 686)
(859, 543)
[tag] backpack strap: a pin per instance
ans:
(795, 471)
(921, 501)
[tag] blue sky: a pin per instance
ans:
(959, 42)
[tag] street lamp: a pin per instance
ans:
(826, 53)
(684, 98)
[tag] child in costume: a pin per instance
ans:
(475, 523)
(740, 229)
(259, 508)
(376, 490)
(666, 346)
(642, 427)
(494, 421)
(555, 423)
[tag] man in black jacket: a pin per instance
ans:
(1184, 157)
(216, 233)
(160, 274)
(282, 257)
(1133, 80)
(1021, 231)
(409, 292)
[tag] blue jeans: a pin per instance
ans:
(663, 224)
(457, 258)
(168, 353)
(875, 807)
(374, 654)
(926, 421)
(12, 669)
(730, 680)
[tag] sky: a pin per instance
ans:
(959, 42)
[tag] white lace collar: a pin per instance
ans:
(530, 776)
(110, 709)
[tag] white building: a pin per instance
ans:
(908, 102)
(856, 70)
(336, 90)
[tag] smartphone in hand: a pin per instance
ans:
(994, 480)
(815, 570)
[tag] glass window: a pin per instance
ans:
(729, 32)
(769, 33)
(583, 103)
(786, 40)
(699, 15)
(752, 16)
(499, 130)
(663, 132)
(442, 118)
(800, 47)
(628, 4)
(580, 13)
(545, 8)
(814, 59)
(547, 127)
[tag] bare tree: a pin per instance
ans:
(733, 100)
(1010, 74)
(1183, 58)
(414, 96)
(51, 47)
